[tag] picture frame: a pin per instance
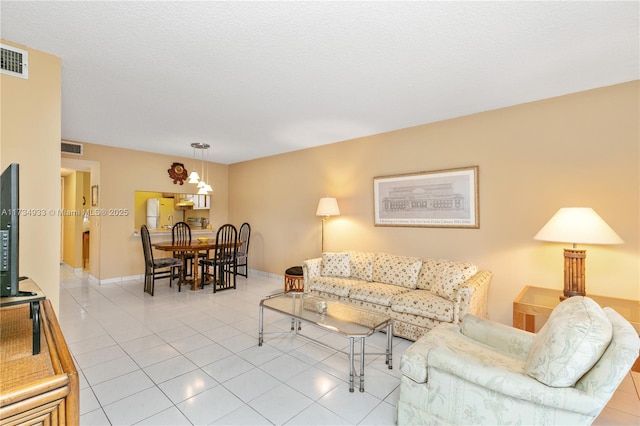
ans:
(435, 199)
(94, 195)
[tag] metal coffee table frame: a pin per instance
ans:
(349, 321)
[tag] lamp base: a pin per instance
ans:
(574, 281)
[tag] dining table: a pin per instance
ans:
(195, 247)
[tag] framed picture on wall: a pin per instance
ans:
(438, 199)
(94, 195)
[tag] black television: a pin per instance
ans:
(9, 231)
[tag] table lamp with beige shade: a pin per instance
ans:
(576, 225)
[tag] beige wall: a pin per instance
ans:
(30, 135)
(575, 150)
(115, 251)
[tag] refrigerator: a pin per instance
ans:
(159, 212)
(153, 213)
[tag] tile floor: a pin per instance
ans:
(192, 358)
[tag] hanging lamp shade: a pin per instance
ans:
(193, 177)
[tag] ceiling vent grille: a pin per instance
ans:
(14, 61)
(71, 148)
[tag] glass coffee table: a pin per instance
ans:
(349, 321)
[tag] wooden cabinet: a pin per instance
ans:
(36, 389)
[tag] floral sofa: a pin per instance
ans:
(486, 373)
(417, 294)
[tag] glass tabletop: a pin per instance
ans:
(335, 316)
(549, 298)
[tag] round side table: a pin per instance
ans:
(294, 279)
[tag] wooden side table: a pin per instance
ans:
(538, 301)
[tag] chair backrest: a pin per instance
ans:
(243, 238)
(226, 242)
(146, 246)
(181, 233)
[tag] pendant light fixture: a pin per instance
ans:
(193, 176)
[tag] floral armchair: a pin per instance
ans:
(484, 372)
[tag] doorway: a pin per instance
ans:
(75, 218)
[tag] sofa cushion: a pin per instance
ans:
(396, 270)
(429, 273)
(423, 303)
(451, 277)
(362, 265)
(572, 340)
(332, 285)
(335, 265)
(374, 292)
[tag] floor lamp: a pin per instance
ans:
(577, 225)
(327, 206)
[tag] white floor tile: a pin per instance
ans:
(285, 367)
(122, 387)
(109, 370)
(187, 385)
(154, 355)
(95, 418)
(169, 369)
(314, 382)
(99, 356)
(243, 416)
(280, 404)
(258, 355)
(383, 415)
(141, 344)
(88, 401)
(316, 414)
(352, 406)
(169, 417)
(208, 354)
(227, 368)
(209, 405)
(137, 407)
(191, 343)
(251, 384)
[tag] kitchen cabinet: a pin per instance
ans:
(192, 201)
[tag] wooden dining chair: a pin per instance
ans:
(181, 233)
(221, 267)
(166, 267)
(242, 255)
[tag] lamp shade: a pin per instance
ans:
(578, 225)
(328, 207)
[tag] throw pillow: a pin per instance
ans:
(572, 340)
(451, 277)
(335, 265)
(396, 270)
(361, 265)
(429, 272)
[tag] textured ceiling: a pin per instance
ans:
(260, 78)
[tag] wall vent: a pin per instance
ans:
(71, 148)
(14, 61)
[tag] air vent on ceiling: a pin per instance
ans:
(14, 61)
(71, 148)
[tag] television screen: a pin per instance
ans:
(9, 231)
